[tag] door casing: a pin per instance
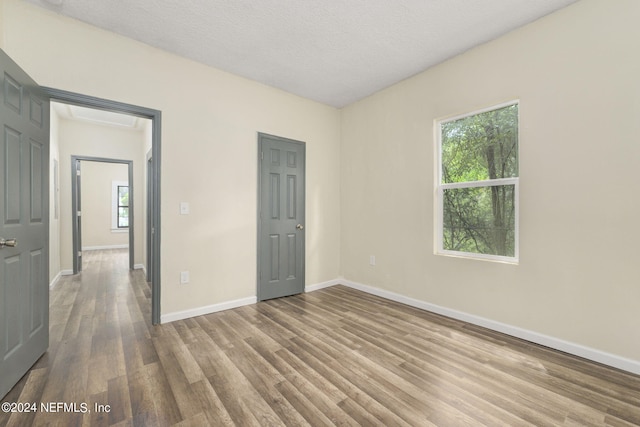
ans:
(75, 192)
(150, 229)
(156, 118)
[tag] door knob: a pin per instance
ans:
(12, 243)
(300, 227)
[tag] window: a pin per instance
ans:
(119, 206)
(477, 191)
(123, 206)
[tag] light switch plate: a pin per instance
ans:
(184, 277)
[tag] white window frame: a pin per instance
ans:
(441, 187)
(114, 206)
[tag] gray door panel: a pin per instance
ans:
(281, 241)
(24, 215)
(77, 217)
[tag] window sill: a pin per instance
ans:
(480, 257)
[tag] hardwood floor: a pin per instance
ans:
(334, 356)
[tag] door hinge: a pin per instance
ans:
(79, 213)
(262, 155)
(79, 253)
(77, 172)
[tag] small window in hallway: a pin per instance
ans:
(123, 206)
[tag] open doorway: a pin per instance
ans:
(103, 207)
(145, 250)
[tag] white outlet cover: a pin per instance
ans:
(184, 277)
(184, 208)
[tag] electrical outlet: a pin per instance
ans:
(372, 260)
(184, 208)
(184, 277)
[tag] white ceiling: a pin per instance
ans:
(332, 51)
(95, 116)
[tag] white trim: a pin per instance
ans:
(589, 353)
(140, 267)
(99, 248)
(54, 282)
(66, 273)
(200, 311)
(486, 183)
(318, 286)
(440, 187)
(114, 203)
(478, 111)
(579, 350)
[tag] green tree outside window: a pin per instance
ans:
(478, 183)
(123, 206)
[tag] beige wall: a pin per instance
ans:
(97, 180)
(2, 27)
(54, 199)
(576, 73)
(210, 122)
(88, 139)
(371, 168)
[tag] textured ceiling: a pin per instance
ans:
(332, 51)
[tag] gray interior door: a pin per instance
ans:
(281, 234)
(77, 215)
(24, 223)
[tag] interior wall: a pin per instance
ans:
(96, 192)
(210, 123)
(54, 198)
(575, 73)
(2, 27)
(80, 138)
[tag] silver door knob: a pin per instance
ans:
(12, 243)
(300, 227)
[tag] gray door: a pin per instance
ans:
(280, 217)
(77, 215)
(24, 216)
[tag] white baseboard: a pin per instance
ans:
(323, 285)
(140, 267)
(54, 282)
(180, 315)
(99, 248)
(609, 359)
(200, 311)
(61, 273)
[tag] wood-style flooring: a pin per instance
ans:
(331, 357)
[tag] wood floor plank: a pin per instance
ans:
(166, 407)
(335, 356)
